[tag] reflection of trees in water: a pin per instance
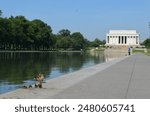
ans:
(67, 61)
(97, 56)
(17, 67)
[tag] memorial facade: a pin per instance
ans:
(123, 38)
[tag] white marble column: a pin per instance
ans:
(120, 39)
(123, 39)
(117, 39)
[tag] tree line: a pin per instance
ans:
(19, 33)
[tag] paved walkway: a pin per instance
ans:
(128, 79)
(120, 79)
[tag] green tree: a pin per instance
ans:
(1, 13)
(63, 40)
(41, 34)
(86, 44)
(63, 43)
(78, 41)
(64, 32)
(18, 33)
(96, 43)
(147, 42)
(19, 25)
(5, 32)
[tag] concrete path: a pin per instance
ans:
(128, 79)
(124, 78)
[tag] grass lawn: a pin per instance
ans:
(148, 51)
(138, 51)
(142, 51)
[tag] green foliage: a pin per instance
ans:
(64, 32)
(18, 33)
(138, 51)
(78, 41)
(63, 43)
(147, 43)
(66, 40)
(0, 13)
(96, 43)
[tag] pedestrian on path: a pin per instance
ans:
(129, 51)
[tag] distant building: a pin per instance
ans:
(123, 38)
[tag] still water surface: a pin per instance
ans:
(18, 69)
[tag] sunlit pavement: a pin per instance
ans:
(128, 79)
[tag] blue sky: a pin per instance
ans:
(93, 18)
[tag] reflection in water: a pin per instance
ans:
(18, 68)
(112, 54)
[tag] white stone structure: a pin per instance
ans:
(123, 38)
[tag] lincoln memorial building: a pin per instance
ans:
(123, 38)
